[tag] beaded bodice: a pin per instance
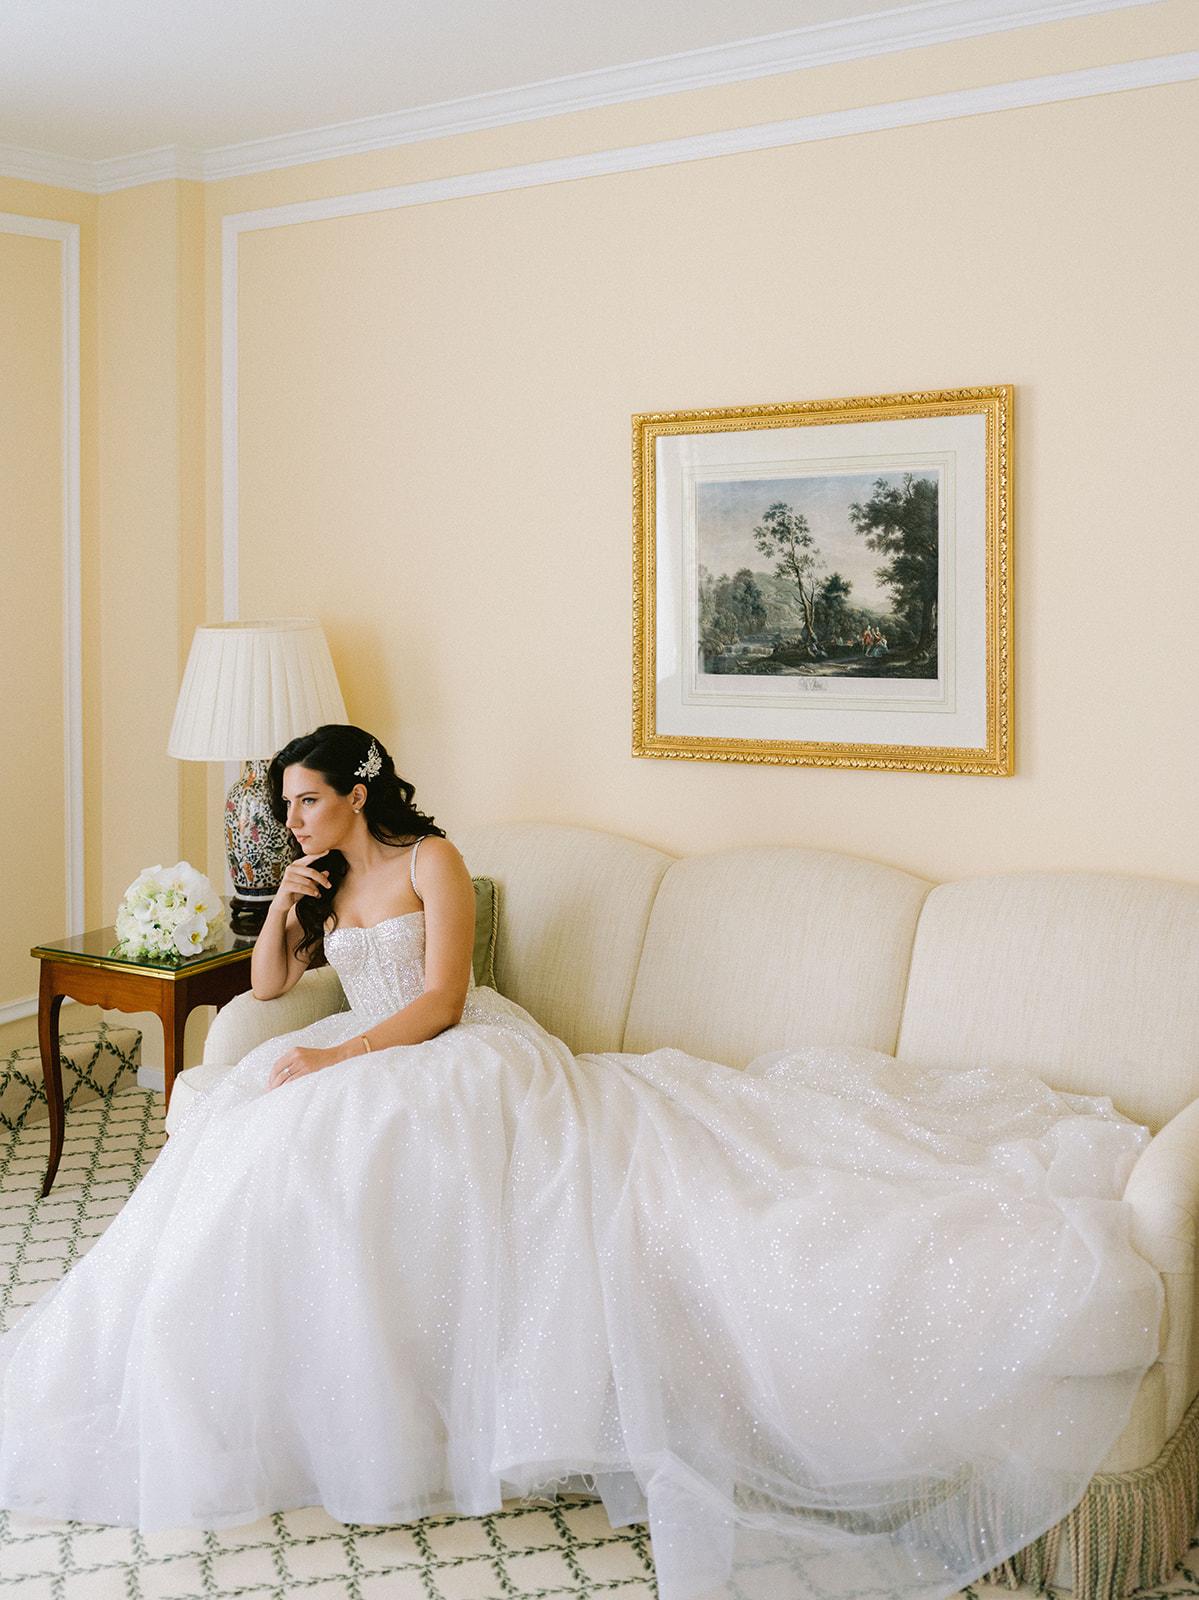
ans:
(382, 969)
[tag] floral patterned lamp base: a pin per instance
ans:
(259, 848)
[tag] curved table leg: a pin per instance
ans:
(49, 1005)
(173, 1012)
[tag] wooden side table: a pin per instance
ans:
(84, 969)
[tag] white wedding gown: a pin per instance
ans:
(834, 1325)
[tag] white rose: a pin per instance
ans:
(148, 876)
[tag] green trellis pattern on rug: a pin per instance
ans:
(95, 1061)
(565, 1551)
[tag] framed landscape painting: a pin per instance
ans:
(826, 583)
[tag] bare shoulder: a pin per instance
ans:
(438, 862)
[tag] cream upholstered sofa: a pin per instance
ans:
(1089, 980)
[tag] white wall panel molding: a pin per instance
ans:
(67, 236)
(230, 444)
(910, 27)
(1151, 73)
(1090, 81)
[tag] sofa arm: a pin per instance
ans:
(1163, 1192)
(246, 1022)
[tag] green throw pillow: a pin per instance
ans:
(487, 922)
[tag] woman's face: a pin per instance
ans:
(317, 815)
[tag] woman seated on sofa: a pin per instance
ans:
(815, 1321)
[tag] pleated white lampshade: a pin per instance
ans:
(249, 687)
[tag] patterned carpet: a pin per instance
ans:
(525, 1552)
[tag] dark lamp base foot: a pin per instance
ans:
(247, 916)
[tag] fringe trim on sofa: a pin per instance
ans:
(1129, 1531)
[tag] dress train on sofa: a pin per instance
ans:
(832, 1325)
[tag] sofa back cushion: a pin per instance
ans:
(1090, 980)
(756, 949)
(573, 910)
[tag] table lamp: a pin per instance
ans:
(248, 688)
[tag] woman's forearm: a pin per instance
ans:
(271, 963)
(430, 1014)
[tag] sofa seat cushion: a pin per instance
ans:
(1089, 980)
(752, 950)
(187, 1086)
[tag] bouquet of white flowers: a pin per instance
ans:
(168, 913)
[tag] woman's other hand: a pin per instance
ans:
(298, 1063)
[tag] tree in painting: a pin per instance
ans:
(729, 609)
(818, 606)
(832, 616)
(785, 535)
(901, 523)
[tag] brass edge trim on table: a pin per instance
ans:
(170, 974)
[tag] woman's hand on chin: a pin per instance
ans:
(298, 1063)
(301, 878)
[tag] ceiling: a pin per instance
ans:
(99, 79)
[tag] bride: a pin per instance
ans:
(833, 1326)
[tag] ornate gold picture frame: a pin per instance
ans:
(826, 584)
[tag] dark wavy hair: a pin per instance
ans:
(337, 751)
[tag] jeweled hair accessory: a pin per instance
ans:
(372, 766)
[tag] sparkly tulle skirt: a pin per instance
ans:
(833, 1326)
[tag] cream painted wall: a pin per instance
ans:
(435, 453)
(151, 519)
(143, 521)
(31, 537)
(31, 573)
(143, 559)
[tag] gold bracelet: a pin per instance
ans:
(366, 1044)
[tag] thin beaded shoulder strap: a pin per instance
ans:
(412, 870)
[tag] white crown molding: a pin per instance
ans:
(928, 22)
(801, 130)
(881, 33)
(102, 177)
(67, 236)
(37, 166)
(149, 166)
